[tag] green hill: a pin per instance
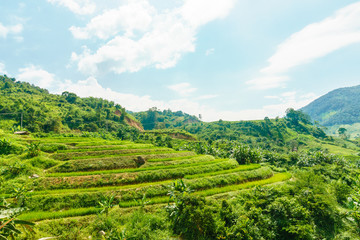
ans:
(340, 106)
(45, 112)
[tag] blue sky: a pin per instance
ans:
(228, 59)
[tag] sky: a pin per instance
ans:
(223, 59)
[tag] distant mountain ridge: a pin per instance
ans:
(340, 106)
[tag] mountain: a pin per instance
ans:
(39, 111)
(338, 107)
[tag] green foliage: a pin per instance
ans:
(33, 150)
(106, 203)
(146, 226)
(14, 169)
(295, 117)
(52, 147)
(194, 219)
(10, 226)
(156, 119)
(245, 155)
(44, 112)
(43, 162)
(5, 146)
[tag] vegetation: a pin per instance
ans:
(87, 171)
(44, 112)
(156, 119)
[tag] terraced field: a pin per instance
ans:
(88, 169)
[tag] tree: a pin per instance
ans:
(297, 116)
(70, 97)
(342, 132)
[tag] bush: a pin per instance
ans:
(33, 150)
(245, 155)
(5, 146)
(144, 226)
(194, 219)
(14, 170)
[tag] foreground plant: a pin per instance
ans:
(106, 203)
(10, 226)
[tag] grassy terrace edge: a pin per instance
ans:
(233, 170)
(43, 215)
(130, 170)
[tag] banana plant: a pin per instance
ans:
(10, 226)
(106, 203)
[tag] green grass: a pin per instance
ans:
(128, 178)
(275, 178)
(82, 141)
(210, 192)
(170, 159)
(339, 150)
(94, 190)
(70, 198)
(108, 147)
(200, 158)
(105, 142)
(42, 215)
(234, 170)
(104, 153)
(131, 170)
(117, 162)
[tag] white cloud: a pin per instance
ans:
(183, 89)
(81, 7)
(313, 41)
(2, 69)
(91, 87)
(209, 51)
(6, 30)
(37, 76)
(135, 16)
(317, 40)
(288, 100)
(153, 38)
(200, 12)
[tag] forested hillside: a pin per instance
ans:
(340, 106)
(268, 132)
(156, 119)
(44, 112)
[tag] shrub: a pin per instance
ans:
(33, 149)
(13, 170)
(244, 155)
(194, 219)
(144, 226)
(5, 146)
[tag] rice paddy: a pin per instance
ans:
(89, 168)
